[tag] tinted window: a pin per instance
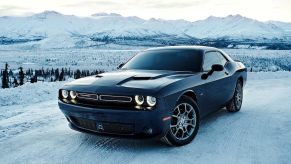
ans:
(211, 58)
(221, 58)
(175, 60)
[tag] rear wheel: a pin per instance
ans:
(234, 105)
(184, 123)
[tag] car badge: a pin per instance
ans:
(100, 127)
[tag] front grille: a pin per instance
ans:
(103, 101)
(103, 127)
(112, 98)
(87, 96)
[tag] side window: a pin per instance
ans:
(221, 58)
(211, 58)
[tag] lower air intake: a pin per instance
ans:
(103, 127)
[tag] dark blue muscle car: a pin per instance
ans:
(160, 92)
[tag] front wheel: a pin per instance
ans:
(234, 105)
(184, 123)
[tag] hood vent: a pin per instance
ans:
(141, 78)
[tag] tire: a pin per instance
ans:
(184, 123)
(234, 105)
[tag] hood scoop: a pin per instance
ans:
(141, 78)
(135, 78)
(150, 77)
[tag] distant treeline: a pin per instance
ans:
(13, 78)
(257, 63)
(169, 40)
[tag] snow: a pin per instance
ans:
(110, 56)
(33, 132)
(56, 30)
(70, 58)
(234, 25)
(29, 93)
(262, 60)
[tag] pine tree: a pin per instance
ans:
(21, 76)
(5, 79)
(15, 82)
(52, 72)
(61, 77)
(33, 78)
(10, 77)
(78, 74)
(57, 74)
(65, 72)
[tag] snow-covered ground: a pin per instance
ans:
(36, 131)
(102, 59)
(29, 93)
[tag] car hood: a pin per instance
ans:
(136, 79)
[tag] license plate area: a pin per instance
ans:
(104, 127)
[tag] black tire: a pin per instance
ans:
(234, 105)
(185, 130)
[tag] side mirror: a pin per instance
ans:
(217, 67)
(214, 67)
(120, 65)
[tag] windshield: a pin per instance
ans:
(174, 60)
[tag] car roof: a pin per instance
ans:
(201, 48)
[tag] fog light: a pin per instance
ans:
(73, 94)
(65, 94)
(139, 100)
(151, 101)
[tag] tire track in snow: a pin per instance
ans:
(34, 116)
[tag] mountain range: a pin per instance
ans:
(51, 29)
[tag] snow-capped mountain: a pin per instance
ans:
(283, 25)
(51, 29)
(234, 26)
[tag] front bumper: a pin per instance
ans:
(117, 121)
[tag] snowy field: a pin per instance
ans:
(33, 130)
(110, 57)
(70, 58)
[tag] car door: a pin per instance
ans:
(214, 86)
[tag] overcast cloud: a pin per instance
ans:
(167, 9)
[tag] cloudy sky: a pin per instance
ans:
(167, 9)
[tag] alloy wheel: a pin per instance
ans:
(183, 121)
(238, 97)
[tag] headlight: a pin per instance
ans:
(73, 94)
(151, 101)
(65, 94)
(139, 99)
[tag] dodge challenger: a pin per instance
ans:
(159, 93)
